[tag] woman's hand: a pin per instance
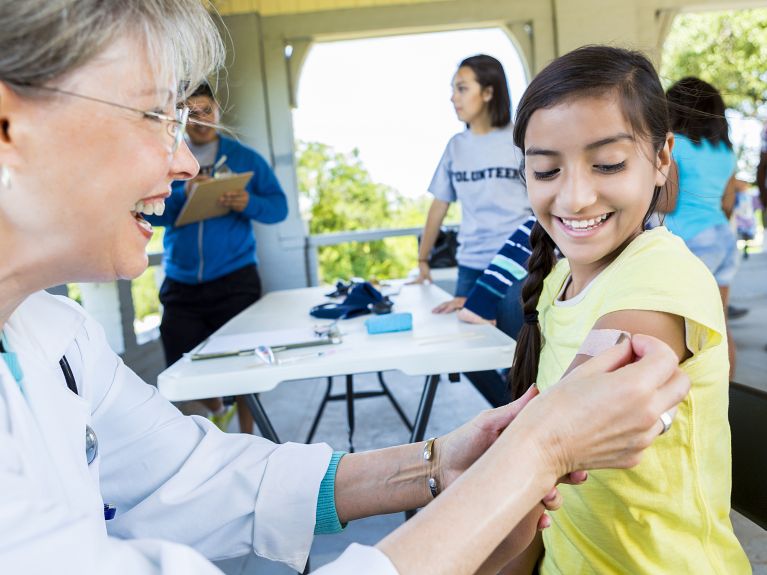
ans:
(470, 317)
(606, 412)
(459, 449)
(450, 306)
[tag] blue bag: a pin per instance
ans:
(363, 298)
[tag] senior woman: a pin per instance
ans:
(89, 127)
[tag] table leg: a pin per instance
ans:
(320, 411)
(350, 410)
(393, 401)
(260, 417)
(424, 408)
(268, 432)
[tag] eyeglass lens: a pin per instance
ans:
(179, 127)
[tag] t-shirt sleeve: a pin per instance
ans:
(651, 279)
(441, 185)
(507, 267)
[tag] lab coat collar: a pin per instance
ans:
(62, 322)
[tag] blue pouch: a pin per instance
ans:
(389, 323)
(361, 300)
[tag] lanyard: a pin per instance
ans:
(91, 441)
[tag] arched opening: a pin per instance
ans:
(376, 113)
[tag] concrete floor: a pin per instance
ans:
(292, 407)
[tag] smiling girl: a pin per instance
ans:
(595, 132)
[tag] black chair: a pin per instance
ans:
(748, 423)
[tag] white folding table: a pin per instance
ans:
(437, 344)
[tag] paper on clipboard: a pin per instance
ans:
(235, 344)
(202, 202)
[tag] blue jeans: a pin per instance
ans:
(467, 277)
(718, 249)
(492, 384)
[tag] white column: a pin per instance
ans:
(102, 301)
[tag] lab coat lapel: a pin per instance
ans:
(59, 416)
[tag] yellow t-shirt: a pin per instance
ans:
(670, 514)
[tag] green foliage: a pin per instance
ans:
(145, 292)
(726, 49)
(144, 289)
(337, 194)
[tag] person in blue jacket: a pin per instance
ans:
(211, 267)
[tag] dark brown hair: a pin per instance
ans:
(696, 110)
(586, 71)
(489, 73)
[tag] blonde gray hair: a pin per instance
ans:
(43, 40)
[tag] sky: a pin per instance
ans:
(390, 98)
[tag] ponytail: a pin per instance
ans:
(524, 370)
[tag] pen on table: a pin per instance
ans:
(218, 355)
(293, 358)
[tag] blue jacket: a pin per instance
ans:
(203, 251)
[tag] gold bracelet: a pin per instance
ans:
(428, 456)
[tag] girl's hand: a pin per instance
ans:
(470, 317)
(606, 411)
(450, 306)
(424, 273)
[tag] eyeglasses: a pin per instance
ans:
(196, 112)
(176, 125)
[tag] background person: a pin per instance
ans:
(705, 165)
(480, 169)
(761, 176)
(103, 76)
(495, 297)
(211, 267)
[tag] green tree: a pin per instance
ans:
(337, 194)
(726, 49)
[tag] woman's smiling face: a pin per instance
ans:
(591, 179)
(79, 167)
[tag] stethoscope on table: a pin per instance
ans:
(91, 441)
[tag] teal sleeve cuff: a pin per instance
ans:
(326, 518)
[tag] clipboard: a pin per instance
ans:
(202, 202)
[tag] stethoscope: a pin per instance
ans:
(91, 440)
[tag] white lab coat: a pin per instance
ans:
(182, 488)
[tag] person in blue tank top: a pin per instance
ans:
(706, 166)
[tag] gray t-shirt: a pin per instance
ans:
(205, 154)
(482, 172)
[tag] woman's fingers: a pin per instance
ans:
(499, 418)
(575, 477)
(670, 395)
(655, 359)
(553, 500)
(605, 412)
(608, 361)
